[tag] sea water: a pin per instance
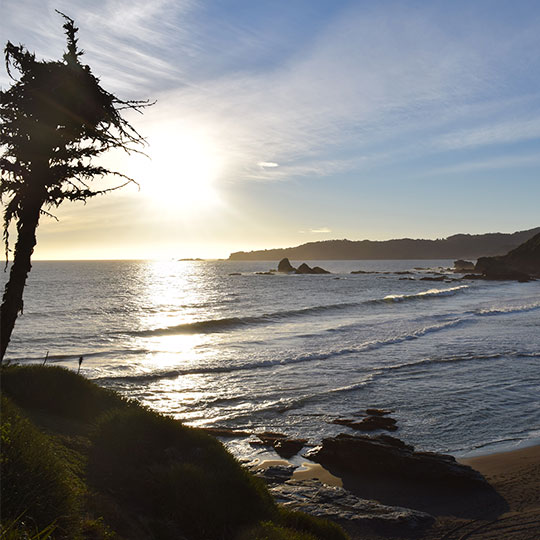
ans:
(218, 343)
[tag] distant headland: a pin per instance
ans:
(458, 246)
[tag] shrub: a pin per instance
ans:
(177, 479)
(59, 391)
(320, 528)
(37, 487)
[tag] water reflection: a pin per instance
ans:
(173, 293)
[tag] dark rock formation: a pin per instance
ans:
(519, 264)
(338, 504)
(387, 456)
(378, 412)
(276, 474)
(285, 266)
(430, 278)
(305, 269)
(286, 447)
(319, 270)
(392, 472)
(371, 423)
(463, 266)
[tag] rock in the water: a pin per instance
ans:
(306, 269)
(285, 266)
(430, 278)
(378, 412)
(286, 447)
(371, 423)
(463, 266)
(338, 504)
(389, 458)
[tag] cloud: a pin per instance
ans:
(505, 131)
(322, 230)
(372, 86)
(267, 164)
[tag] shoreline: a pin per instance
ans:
(496, 447)
(509, 509)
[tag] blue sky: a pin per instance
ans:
(278, 123)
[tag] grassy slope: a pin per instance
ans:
(97, 466)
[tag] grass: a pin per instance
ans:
(80, 462)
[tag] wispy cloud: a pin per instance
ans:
(374, 85)
(359, 92)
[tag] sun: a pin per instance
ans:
(182, 170)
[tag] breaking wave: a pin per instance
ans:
(233, 323)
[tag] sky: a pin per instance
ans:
(283, 122)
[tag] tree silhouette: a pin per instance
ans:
(54, 120)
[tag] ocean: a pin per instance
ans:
(218, 344)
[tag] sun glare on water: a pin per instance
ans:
(182, 171)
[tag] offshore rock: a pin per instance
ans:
(463, 266)
(378, 412)
(305, 269)
(430, 278)
(285, 266)
(338, 504)
(371, 423)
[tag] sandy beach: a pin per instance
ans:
(515, 476)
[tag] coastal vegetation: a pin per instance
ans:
(80, 462)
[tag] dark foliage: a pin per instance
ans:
(95, 466)
(54, 120)
(58, 391)
(37, 489)
(185, 484)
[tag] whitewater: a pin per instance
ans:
(224, 344)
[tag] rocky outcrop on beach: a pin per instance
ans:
(340, 505)
(519, 264)
(390, 458)
(393, 473)
(285, 266)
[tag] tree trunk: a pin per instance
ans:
(12, 301)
